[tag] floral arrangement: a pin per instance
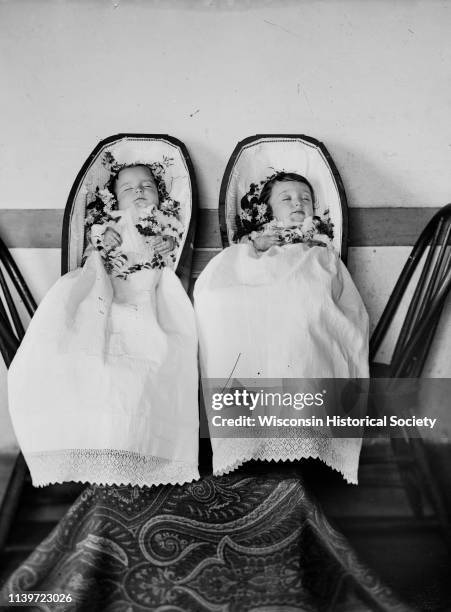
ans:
(256, 217)
(310, 231)
(254, 213)
(153, 221)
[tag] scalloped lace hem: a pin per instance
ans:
(107, 467)
(346, 463)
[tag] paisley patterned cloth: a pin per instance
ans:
(242, 542)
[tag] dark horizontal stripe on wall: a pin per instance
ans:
(41, 228)
(29, 228)
(387, 226)
(367, 226)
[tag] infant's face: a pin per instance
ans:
(135, 188)
(291, 202)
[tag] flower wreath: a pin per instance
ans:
(164, 219)
(256, 218)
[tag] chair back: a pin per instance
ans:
(11, 327)
(433, 247)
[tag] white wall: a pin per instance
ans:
(369, 78)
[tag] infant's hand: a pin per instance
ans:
(312, 243)
(266, 241)
(163, 245)
(111, 239)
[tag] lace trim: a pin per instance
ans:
(230, 454)
(107, 467)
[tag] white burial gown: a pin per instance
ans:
(103, 388)
(290, 312)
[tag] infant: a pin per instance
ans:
(266, 314)
(135, 189)
(290, 200)
(116, 338)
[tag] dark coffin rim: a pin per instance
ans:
(183, 270)
(330, 161)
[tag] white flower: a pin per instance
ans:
(297, 231)
(261, 209)
(246, 215)
(168, 205)
(107, 198)
(89, 220)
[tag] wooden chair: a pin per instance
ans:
(11, 334)
(412, 348)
